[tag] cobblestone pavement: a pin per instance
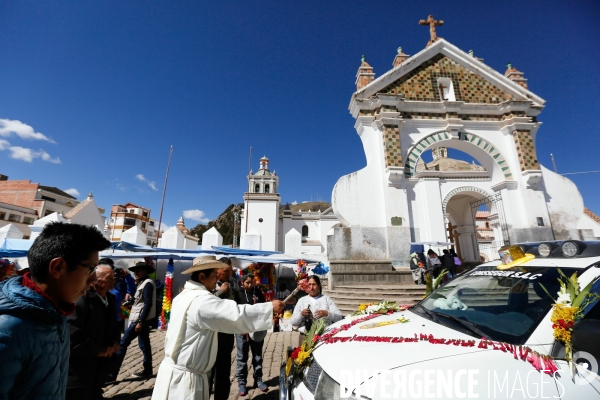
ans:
(128, 388)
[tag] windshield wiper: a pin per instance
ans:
(473, 328)
(431, 314)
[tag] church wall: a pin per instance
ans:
(353, 194)
(588, 224)
(268, 228)
(565, 205)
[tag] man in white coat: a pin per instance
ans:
(191, 341)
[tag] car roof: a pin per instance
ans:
(582, 262)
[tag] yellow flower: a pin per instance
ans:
(302, 356)
(562, 319)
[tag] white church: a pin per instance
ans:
(444, 98)
(263, 227)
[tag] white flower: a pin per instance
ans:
(563, 298)
(373, 308)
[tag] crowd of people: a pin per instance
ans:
(62, 332)
(432, 264)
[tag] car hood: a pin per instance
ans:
(377, 356)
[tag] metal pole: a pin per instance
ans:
(248, 205)
(162, 203)
(553, 163)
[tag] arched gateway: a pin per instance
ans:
(443, 98)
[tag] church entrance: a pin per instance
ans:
(490, 226)
(475, 223)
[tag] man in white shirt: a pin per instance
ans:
(191, 340)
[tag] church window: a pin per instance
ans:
(257, 188)
(143, 225)
(266, 188)
(14, 218)
(305, 230)
(540, 221)
(487, 225)
(28, 220)
(446, 89)
(2, 215)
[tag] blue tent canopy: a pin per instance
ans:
(14, 248)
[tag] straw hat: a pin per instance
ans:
(142, 264)
(204, 262)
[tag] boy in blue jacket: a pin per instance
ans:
(34, 335)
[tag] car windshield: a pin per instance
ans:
(500, 305)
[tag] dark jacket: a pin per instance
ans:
(34, 345)
(93, 328)
(244, 297)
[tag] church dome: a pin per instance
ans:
(442, 163)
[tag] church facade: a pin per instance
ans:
(265, 225)
(444, 98)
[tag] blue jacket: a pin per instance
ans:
(34, 345)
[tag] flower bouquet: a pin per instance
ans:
(302, 355)
(431, 284)
(568, 310)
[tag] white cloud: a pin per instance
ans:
(28, 155)
(196, 215)
(9, 127)
(4, 144)
(294, 202)
(73, 192)
(142, 178)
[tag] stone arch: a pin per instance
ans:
(415, 152)
(461, 189)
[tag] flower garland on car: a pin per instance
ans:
(568, 310)
(385, 307)
(539, 361)
(302, 356)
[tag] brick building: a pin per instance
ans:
(22, 202)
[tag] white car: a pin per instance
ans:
(476, 312)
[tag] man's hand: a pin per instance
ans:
(321, 313)
(306, 312)
(104, 352)
(278, 306)
(224, 287)
(116, 347)
(127, 296)
(138, 327)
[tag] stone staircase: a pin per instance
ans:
(348, 298)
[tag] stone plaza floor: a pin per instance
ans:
(128, 388)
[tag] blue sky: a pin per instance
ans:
(111, 85)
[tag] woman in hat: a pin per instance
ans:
(191, 342)
(142, 310)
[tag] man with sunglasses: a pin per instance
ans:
(34, 335)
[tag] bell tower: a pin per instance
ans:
(261, 207)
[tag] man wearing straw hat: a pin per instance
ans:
(191, 340)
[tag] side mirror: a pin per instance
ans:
(585, 337)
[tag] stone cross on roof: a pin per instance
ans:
(432, 24)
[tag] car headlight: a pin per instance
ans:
(328, 389)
